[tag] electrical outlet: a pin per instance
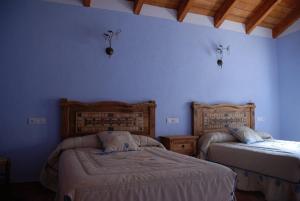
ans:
(37, 120)
(172, 120)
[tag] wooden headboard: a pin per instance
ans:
(218, 118)
(80, 119)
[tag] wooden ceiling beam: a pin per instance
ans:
(183, 9)
(87, 3)
(137, 7)
(223, 12)
(260, 14)
(286, 22)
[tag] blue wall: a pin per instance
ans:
(289, 62)
(49, 51)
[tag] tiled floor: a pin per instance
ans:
(34, 191)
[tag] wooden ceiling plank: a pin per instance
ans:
(286, 22)
(223, 11)
(243, 11)
(202, 11)
(87, 3)
(183, 9)
(289, 3)
(137, 7)
(260, 14)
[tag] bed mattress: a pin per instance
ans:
(276, 158)
(153, 174)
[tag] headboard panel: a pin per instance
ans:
(80, 119)
(218, 118)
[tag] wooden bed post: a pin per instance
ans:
(64, 118)
(252, 116)
(152, 106)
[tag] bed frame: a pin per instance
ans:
(79, 119)
(220, 117)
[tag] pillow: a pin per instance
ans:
(246, 135)
(216, 137)
(145, 141)
(114, 141)
(264, 135)
(82, 141)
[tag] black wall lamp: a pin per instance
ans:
(108, 36)
(220, 54)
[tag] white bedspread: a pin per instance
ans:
(277, 158)
(153, 174)
(79, 171)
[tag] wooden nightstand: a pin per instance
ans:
(183, 144)
(5, 169)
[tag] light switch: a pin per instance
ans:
(37, 120)
(172, 120)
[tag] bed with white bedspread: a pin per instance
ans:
(270, 166)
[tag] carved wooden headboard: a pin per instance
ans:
(218, 118)
(80, 119)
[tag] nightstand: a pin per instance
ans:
(183, 144)
(4, 169)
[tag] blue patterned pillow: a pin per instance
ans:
(246, 135)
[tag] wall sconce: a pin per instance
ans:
(108, 36)
(220, 54)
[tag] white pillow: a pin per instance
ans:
(117, 141)
(145, 141)
(206, 140)
(264, 135)
(246, 135)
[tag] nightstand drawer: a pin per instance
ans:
(185, 147)
(181, 144)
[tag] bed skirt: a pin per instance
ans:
(274, 189)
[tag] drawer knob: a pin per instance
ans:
(182, 146)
